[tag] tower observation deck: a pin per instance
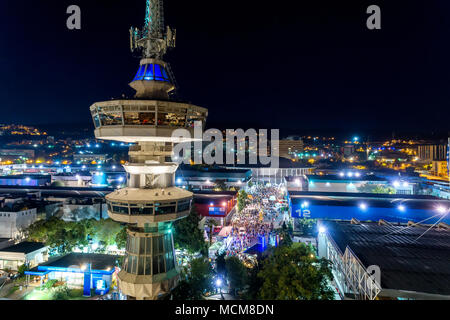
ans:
(150, 203)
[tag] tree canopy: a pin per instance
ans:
(63, 236)
(198, 280)
(295, 273)
(242, 199)
(236, 273)
(376, 188)
(187, 234)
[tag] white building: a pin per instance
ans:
(29, 253)
(12, 223)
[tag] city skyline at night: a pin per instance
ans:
(224, 158)
(309, 67)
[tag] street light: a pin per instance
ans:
(219, 286)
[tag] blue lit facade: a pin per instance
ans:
(365, 209)
(99, 280)
(78, 270)
(152, 72)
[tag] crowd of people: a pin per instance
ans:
(257, 220)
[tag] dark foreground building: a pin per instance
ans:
(405, 261)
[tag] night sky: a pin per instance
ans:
(299, 65)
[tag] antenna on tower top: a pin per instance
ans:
(152, 41)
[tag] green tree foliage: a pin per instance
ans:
(63, 236)
(306, 226)
(285, 235)
(220, 185)
(242, 199)
(236, 273)
(295, 273)
(376, 188)
(57, 184)
(198, 280)
(121, 238)
(22, 268)
(254, 283)
(187, 234)
(104, 231)
(221, 264)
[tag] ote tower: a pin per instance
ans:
(150, 203)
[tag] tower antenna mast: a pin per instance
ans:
(153, 40)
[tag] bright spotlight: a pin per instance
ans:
(357, 174)
(322, 229)
(396, 184)
(350, 174)
(441, 209)
(341, 174)
(218, 282)
(363, 206)
(402, 208)
(405, 184)
(120, 179)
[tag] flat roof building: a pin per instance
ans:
(387, 261)
(28, 253)
(367, 206)
(87, 270)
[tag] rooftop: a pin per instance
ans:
(406, 262)
(359, 195)
(337, 178)
(74, 260)
(24, 247)
(136, 194)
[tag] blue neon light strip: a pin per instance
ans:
(152, 72)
